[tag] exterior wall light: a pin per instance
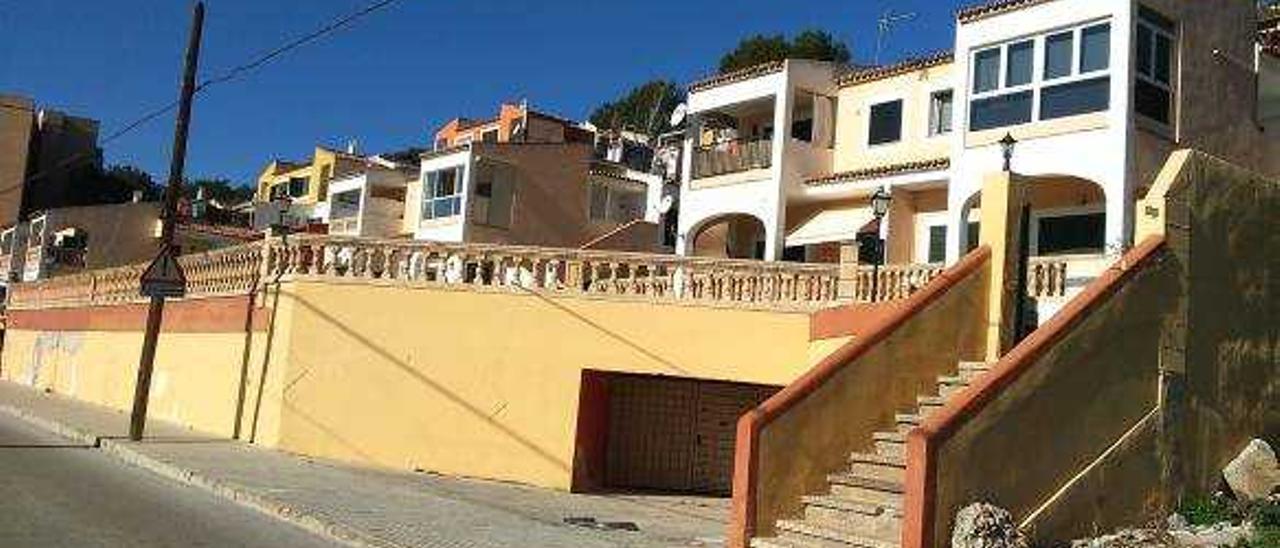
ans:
(1006, 148)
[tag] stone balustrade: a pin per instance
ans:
(892, 282)
(1046, 277)
(228, 271)
(569, 271)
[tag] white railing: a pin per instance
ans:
(892, 282)
(567, 271)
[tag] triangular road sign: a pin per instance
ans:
(164, 276)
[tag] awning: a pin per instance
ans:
(830, 225)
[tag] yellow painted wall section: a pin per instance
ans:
(852, 151)
(194, 384)
(487, 384)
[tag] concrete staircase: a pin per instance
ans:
(863, 504)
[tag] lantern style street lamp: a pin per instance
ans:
(879, 207)
(1006, 149)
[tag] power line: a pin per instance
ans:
(231, 74)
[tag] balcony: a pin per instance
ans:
(732, 156)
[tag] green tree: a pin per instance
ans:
(114, 185)
(645, 108)
(810, 44)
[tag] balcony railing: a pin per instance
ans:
(566, 271)
(892, 282)
(732, 157)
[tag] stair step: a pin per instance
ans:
(928, 405)
(825, 536)
(890, 444)
(869, 520)
(775, 542)
(947, 386)
(906, 422)
(886, 467)
(969, 370)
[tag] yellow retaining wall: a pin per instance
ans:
(194, 384)
(486, 383)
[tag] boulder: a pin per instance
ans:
(982, 525)
(1254, 473)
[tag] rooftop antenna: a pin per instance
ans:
(885, 24)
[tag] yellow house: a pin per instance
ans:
(305, 183)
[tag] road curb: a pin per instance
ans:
(122, 451)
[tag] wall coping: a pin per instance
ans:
(923, 441)
(746, 451)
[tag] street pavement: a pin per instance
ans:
(369, 507)
(56, 492)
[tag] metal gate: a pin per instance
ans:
(675, 434)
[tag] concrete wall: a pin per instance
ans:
(486, 384)
(92, 355)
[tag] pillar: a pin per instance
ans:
(1003, 195)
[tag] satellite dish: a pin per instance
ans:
(679, 114)
(668, 202)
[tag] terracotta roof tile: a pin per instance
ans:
(737, 75)
(888, 71)
(880, 171)
(996, 7)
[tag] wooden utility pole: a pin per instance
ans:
(142, 389)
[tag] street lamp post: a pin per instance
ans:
(1006, 149)
(879, 207)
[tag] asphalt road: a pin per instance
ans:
(59, 493)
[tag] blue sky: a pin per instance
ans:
(390, 79)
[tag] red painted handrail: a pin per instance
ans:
(746, 450)
(923, 442)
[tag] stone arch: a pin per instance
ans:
(729, 235)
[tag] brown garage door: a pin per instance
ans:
(675, 434)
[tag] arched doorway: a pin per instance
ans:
(732, 236)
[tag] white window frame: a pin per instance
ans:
(924, 223)
(428, 200)
(951, 125)
(612, 192)
(1156, 31)
(1038, 82)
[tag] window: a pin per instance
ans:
(886, 123)
(1153, 86)
(1059, 55)
(986, 70)
(1018, 68)
(490, 136)
(298, 186)
(279, 191)
(1072, 80)
(345, 204)
(614, 204)
(1071, 234)
(442, 193)
(937, 251)
(940, 105)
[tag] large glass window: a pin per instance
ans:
(937, 252)
(940, 105)
(345, 204)
(442, 193)
(1153, 73)
(1059, 55)
(886, 123)
(1071, 234)
(986, 70)
(1018, 71)
(1072, 79)
(298, 186)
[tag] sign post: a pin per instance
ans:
(164, 276)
